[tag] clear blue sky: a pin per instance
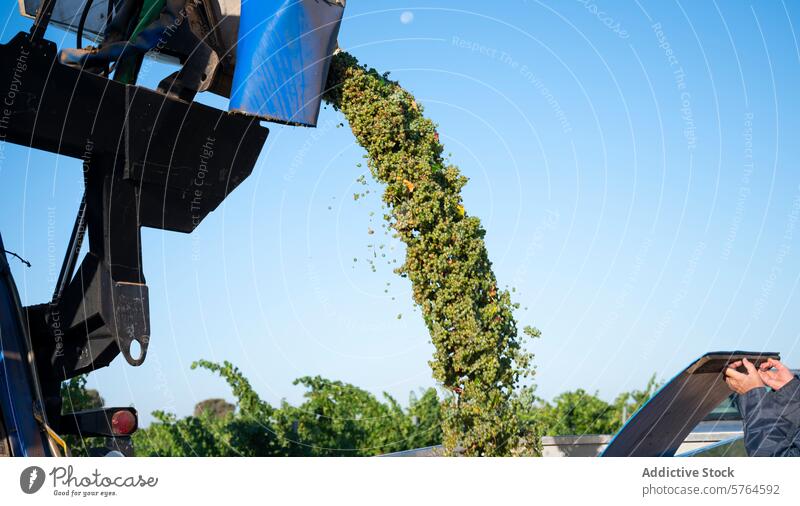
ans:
(643, 203)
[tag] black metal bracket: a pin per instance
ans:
(149, 160)
(93, 422)
(42, 20)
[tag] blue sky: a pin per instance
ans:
(634, 164)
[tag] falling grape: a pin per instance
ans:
(478, 353)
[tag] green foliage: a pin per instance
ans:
(628, 403)
(578, 412)
(336, 419)
(478, 354)
(76, 397)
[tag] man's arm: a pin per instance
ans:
(772, 421)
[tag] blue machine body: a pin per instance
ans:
(18, 391)
(283, 56)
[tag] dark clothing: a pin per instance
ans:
(772, 420)
(140, 26)
(133, 32)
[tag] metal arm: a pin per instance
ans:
(149, 160)
(43, 16)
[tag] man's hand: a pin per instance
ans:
(742, 382)
(774, 374)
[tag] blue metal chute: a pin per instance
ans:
(283, 57)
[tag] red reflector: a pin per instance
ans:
(123, 423)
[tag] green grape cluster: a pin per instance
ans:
(479, 355)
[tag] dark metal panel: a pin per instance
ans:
(186, 159)
(661, 425)
(149, 160)
(18, 396)
(733, 447)
(182, 159)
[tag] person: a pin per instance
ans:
(140, 26)
(771, 416)
(135, 29)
